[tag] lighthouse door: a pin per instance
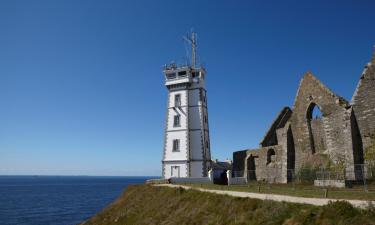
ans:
(175, 171)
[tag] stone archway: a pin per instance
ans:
(251, 168)
(314, 119)
(335, 125)
(270, 156)
(358, 155)
(291, 156)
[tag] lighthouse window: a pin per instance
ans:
(176, 145)
(176, 121)
(182, 74)
(177, 100)
(171, 76)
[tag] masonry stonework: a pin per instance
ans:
(296, 139)
(364, 103)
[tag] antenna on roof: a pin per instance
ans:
(193, 41)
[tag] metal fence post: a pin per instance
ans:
(325, 192)
(364, 177)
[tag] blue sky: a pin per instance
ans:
(81, 84)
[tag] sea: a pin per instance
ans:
(58, 200)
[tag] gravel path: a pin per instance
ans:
(279, 198)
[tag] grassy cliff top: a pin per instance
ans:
(145, 204)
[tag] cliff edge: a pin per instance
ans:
(146, 204)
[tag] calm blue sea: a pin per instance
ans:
(57, 200)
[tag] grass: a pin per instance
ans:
(145, 204)
(300, 190)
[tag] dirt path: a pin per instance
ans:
(279, 198)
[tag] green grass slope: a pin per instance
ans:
(144, 204)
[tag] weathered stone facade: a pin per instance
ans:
(364, 103)
(296, 139)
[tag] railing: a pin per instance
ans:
(355, 174)
(239, 173)
(329, 175)
(251, 175)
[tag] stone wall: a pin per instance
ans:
(263, 164)
(363, 102)
(286, 142)
(268, 168)
(270, 138)
(338, 136)
(297, 139)
(239, 161)
(335, 122)
(318, 135)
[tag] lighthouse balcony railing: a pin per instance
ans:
(178, 80)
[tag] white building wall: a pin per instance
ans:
(208, 150)
(200, 84)
(205, 122)
(168, 169)
(194, 120)
(196, 145)
(183, 94)
(182, 111)
(179, 155)
(196, 169)
(192, 132)
(193, 97)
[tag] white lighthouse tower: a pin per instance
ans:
(187, 142)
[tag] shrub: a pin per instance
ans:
(370, 154)
(307, 173)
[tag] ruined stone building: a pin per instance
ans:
(296, 139)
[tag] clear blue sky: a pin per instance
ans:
(81, 84)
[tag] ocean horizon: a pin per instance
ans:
(58, 199)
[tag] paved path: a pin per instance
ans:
(279, 198)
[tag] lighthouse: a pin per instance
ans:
(187, 141)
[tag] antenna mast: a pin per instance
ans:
(193, 41)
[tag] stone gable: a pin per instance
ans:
(296, 139)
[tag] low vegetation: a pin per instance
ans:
(370, 153)
(145, 204)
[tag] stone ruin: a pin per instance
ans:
(296, 139)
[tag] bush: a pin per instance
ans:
(370, 154)
(341, 209)
(306, 174)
